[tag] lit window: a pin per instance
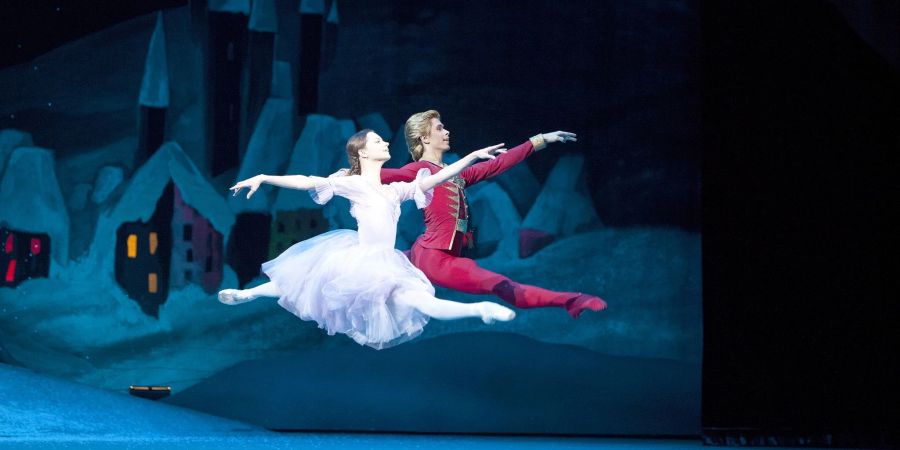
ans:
(11, 272)
(152, 283)
(132, 246)
(154, 242)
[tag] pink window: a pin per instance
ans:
(11, 272)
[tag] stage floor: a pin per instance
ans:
(350, 441)
(40, 412)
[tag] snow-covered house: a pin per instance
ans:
(267, 153)
(23, 256)
(320, 151)
(167, 230)
(33, 217)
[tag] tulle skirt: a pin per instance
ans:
(350, 288)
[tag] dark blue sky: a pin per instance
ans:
(29, 28)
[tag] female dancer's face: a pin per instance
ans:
(376, 148)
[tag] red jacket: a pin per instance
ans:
(446, 218)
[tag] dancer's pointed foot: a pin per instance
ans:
(234, 297)
(491, 312)
(576, 305)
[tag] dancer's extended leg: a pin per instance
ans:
(450, 310)
(463, 274)
(238, 296)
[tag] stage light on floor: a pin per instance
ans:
(150, 392)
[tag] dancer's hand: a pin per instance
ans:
(250, 183)
(454, 169)
(559, 136)
(488, 152)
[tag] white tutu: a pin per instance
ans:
(350, 287)
(346, 288)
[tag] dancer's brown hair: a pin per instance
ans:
(354, 144)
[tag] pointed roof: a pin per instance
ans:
(333, 17)
(563, 206)
(11, 139)
(32, 200)
(138, 202)
(320, 151)
(155, 84)
(170, 163)
(268, 152)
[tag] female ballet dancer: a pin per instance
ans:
(356, 283)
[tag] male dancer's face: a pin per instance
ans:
(438, 138)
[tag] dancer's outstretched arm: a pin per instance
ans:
(454, 169)
(301, 182)
(411, 170)
(406, 173)
(516, 155)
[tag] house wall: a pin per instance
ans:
(196, 248)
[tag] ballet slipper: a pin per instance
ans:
(576, 305)
(233, 297)
(491, 312)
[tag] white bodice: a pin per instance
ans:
(375, 208)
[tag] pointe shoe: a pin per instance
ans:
(576, 305)
(233, 297)
(491, 312)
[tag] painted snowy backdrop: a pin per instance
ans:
(114, 128)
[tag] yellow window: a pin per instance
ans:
(151, 283)
(132, 246)
(153, 242)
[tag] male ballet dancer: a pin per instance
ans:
(438, 251)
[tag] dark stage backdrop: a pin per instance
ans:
(119, 136)
(801, 119)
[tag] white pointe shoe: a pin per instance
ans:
(233, 297)
(491, 312)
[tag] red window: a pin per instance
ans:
(9, 243)
(35, 246)
(11, 272)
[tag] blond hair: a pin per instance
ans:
(418, 126)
